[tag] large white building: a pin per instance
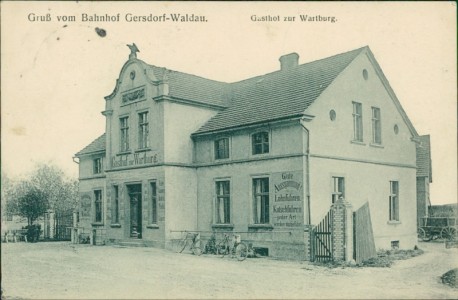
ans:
(265, 157)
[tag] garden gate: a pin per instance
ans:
(64, 223)
(321, 240)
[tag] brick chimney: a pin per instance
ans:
(289, 61)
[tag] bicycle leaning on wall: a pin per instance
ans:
(192, 241)
(232, 244)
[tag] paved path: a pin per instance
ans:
(66, 271)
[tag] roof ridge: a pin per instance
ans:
(187, 74)
(303, 84)
(302, 65)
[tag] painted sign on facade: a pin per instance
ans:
(144, 158)
(85, 206)
(288, 202)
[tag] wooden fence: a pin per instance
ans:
(363, 236)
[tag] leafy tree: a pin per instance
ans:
(47, 184)
(31, 203)
(6, 185)
(60, 190)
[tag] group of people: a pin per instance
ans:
(28, 233)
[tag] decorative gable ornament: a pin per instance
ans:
(133, 51)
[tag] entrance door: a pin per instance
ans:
(135, 195)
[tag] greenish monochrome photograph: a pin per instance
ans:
(228, 150)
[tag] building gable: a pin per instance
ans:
(390, 91)
(172, 85)
(349, 83)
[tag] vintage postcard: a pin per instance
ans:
(262, 150)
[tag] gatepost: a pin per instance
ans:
(342, 231)
(75, 235)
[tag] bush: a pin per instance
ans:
(33, 232)
(378, 262)
(384, 259)
(450, 278)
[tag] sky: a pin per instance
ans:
(56, 73)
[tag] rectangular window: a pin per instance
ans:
(261, 200)
(153, 203)
(394, 201)
(124, 125)
(357, 122)
(338, 188)
(143, 130)
(98, 205)
(222, 148)
(223, 202)
(260, 142)
(97, 166)
(376, 126)
(115, 218)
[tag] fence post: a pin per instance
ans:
(74, 228)
(342, 231)
(308, 240)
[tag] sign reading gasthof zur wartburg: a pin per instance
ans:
(288, 202)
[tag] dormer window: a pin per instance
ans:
(260, 142)
(222, 148)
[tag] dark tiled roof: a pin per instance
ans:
(96, 146)
(279, 94)
(192, 87)
(424, 168)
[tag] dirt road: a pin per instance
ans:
(66, 271)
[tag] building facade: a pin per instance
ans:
(264, 157)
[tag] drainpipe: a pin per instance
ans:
(307, 171)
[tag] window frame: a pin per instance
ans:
(262, 143)
(393, 214)
(216, 148)
(97, 166)
(226, 200)
(124, 134)
(143, 130)
(260, 218)
(376, 126)
(358, 130)
(115, 202)
(338, 188)
(98, 205)
(153, 202)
